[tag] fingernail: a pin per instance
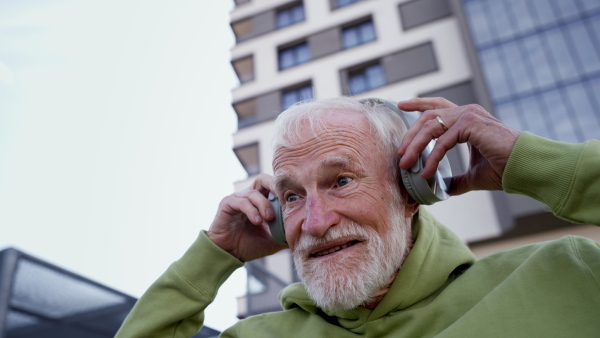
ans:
(270, 212)
(257, 219)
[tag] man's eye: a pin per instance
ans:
(291, 198)
(342, 181)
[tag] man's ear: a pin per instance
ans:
(411, 207)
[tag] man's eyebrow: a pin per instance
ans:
(280, 180)
(340, 162)
(343, 161)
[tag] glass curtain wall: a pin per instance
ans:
(541, 62)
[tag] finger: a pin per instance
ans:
(424, 130)
(262, 183)
(425, 103)
(443, 144)
(262, 204)
(428, 117)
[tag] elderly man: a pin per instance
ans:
(375, 263)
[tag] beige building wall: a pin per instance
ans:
(471, 216)
(474, 217)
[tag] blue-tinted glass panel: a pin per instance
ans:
(293, 56)
(559, 115)
(538, 61)
(593, 88)
(365, 79)
(358, 34)
(375, 76)
(503, 27)
(586, 53)
(565, 9)
(296, 95)
(515, 64)
(286, 58)
(593, 25)
(495, 74)
(583, 111)
(357, 84)
(367, 31)
(289, 16)
(522, 15)
(350, 38)
(590, 5)
(508, 113)
(342, 3)
(543, 72)
(533, 116)
(303, 53)
(479, 24)
(542, 10)
(560, 54)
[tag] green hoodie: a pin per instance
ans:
(547, 289)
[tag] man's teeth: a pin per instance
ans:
(332, 250)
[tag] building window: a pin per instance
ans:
(243, 29)
(290, 15)
(366, 78)
(249, 158)
(343, 3)
(358, 34)
(246, 112)
(294, 55)
(295, 95)
(244, 68)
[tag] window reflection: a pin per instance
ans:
(358, 34)
(295, 55)
(366, 78)
(290, 97)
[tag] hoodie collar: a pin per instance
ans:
(436, 254)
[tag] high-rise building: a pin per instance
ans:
(534, 64)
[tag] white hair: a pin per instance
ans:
(386, 126)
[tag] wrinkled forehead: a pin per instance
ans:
(338, 133)
(320, 126)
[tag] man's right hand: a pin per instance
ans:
(240, 226)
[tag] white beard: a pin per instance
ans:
(348, 282)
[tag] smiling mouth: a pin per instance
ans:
(334, 249)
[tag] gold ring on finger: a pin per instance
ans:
(439, 119)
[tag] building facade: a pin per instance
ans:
(534, 64)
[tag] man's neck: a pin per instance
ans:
(377, 296)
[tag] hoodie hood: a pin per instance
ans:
(438, 256)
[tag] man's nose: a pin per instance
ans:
(319, 216)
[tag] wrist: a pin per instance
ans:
(217, 239)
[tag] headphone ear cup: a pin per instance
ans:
(431, 190)
(407, 180)
(276, 225)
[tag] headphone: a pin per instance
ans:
(424, 191)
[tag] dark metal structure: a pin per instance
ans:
(38, 299)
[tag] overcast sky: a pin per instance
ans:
(116, 135)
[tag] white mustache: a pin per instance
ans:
(352, 230)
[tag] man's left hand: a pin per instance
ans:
(490, 141)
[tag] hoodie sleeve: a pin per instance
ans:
(564, 176)
(174, 304)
